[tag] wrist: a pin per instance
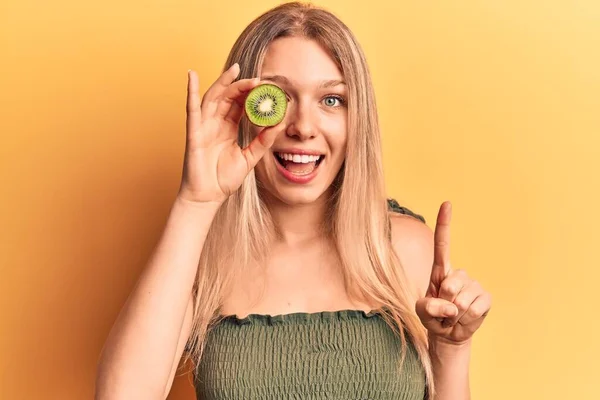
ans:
(196, 213)
(203, 206)
(444, 349)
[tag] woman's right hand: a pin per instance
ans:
(214, 164)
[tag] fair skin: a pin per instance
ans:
(302, 275)
(451, 305)
(301, 260)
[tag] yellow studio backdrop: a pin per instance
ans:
(493, 105)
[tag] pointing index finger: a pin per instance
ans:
(218, 87)
(441, 260)
(234, 95)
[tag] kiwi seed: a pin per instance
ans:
(265, 105)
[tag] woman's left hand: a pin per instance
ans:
(455, 305)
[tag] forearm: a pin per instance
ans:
(139, 351)
(450, 370)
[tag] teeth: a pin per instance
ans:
(297, 158)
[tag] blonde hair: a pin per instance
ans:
(358, 218)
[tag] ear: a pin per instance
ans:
(413, 243)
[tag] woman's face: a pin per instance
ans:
(309, 152)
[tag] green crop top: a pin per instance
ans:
(347, 354)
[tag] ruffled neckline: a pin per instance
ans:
(300, 317)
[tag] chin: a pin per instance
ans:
(296, 196)
(300, 196)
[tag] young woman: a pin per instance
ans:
(284, 272)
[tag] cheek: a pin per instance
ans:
(337, 133)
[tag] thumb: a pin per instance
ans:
(429, 309)
(260, 144)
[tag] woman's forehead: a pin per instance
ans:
(299, 60)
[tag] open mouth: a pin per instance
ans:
(299, 164)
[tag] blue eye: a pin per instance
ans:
(333, 101)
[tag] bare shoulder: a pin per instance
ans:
(412, 240)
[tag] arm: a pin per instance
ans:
(146, 341)
(142, 352)
(450, 370)
(413, 242)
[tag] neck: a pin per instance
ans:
(300, 223)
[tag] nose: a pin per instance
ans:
(300, 124)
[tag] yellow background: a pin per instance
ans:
(493, 105)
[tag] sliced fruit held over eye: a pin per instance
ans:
(265, 105)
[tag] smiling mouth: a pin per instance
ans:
(299, 164)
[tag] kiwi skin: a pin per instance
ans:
(277, 112)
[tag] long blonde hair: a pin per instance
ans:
(358, 218)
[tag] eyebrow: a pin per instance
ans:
(323, 84)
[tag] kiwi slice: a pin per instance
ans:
(265, 105)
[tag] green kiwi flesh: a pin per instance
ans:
(265, 105)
